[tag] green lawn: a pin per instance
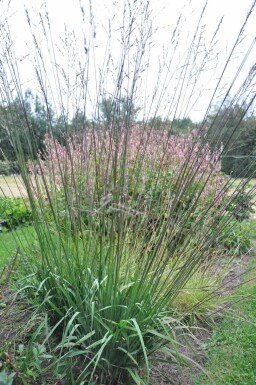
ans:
(11, 240)
(237, 181)
(11, 186)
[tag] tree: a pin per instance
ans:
(28, 120)
(122, 111)
(157, 122)
(14, 120)
(79, 122)
(182, 125)
(239, 149)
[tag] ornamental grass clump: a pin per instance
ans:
(153, 163)
(125, 214)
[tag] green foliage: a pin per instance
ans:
(5, 378)
(233, 128)
(13, 212)
(182, 125)
(23, 363)
(196, 299)
(177, 126)
(117, 332)
(233, 238)
(249, 227)
(14, 115)
(94, 259)
(5, 168)
(8, 168)
(241, 206)
(122, 111)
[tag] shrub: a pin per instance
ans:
(14, 212)
(22, 364)
(8, 168)
(241, 206)
(233, 238)
(5, 168)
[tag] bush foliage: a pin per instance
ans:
(14, 212)
(8, 168)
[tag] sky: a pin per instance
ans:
(87, 39)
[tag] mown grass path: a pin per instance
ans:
(9, 242)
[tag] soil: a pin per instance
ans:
(14, 316)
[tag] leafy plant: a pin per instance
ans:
(8, 168)
(233, 238)
(5, 168)
(241, 206)
(13, 212)
(23, 363)
(7, 379)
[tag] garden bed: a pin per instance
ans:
(15, 315)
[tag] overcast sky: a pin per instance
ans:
(108, 15)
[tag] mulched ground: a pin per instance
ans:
(14, 317)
